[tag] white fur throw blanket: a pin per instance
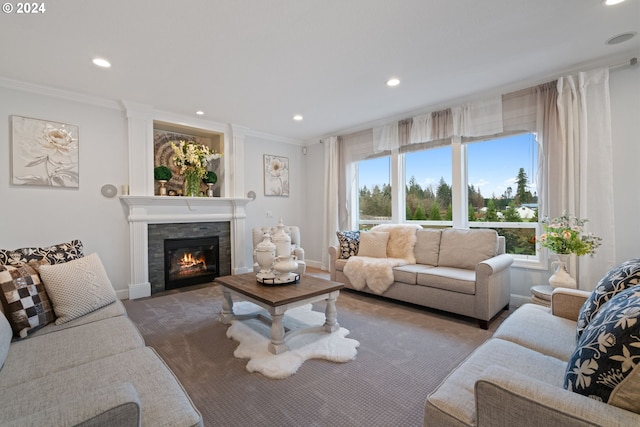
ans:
(377, 273)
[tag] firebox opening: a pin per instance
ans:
(190, 261)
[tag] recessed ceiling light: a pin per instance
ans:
(393, 82)
(298, 118)
(101, 62)
(200, 113)
(620, 38)
(612, 2)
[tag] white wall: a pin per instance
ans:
(40, 216)
(292, 209)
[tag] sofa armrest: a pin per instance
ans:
(333, 256)
(567, 302)
(299, 253)
(505, 398)
(109, 406)
(495, 264)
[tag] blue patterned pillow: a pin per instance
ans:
(349, 243)
(606, 363)
(615, 281)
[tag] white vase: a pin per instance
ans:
(561, 277)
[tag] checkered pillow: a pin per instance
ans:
(24, 299)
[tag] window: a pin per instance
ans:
(428, 186)
(502, 190)
(496, 189)
(374, 192)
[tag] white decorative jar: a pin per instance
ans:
(282, 241)
(561, 277)
(265, 253)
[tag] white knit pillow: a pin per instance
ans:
(77, 287)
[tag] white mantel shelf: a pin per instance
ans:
(162, 209)
(145, 210)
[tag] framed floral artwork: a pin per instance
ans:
(276, 176)
(44, 153)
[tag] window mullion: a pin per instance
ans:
(397, 188)
(459, 192)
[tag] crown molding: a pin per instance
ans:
(59, 93)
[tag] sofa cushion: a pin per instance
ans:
(427, 246)
(449, 279)
(163, 400)
(605, 364)
(408, 274)
(115, 309)
(62, 252)
(77, 287)
(533, 326)
(466, 248)
(349, 241)
(24, 299)
(373, 244)
(453, 402)
(615, 281)
(43, 355)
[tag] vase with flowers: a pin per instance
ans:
(564, 236)
(192, 160)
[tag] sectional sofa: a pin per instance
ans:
(92, 369)
(459, 271)
(518, 377)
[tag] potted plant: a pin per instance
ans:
(210, 178)
(162, 174)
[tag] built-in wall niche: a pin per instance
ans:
(164, 133)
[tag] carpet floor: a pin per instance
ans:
(404, 353)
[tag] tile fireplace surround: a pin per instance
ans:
(145, 210)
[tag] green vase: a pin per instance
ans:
(191, 183)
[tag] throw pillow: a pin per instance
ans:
(373, 244)
(25, 301)
(615, 281)
(349, 243)
(605, 365)
(77, 287)
(55, 254)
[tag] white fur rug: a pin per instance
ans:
(253, 336)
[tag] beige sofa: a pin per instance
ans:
(92, 370)
(516, 377)
(460, 271)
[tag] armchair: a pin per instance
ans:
(293, 232)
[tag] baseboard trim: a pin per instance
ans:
(518, 300)
(139, 290)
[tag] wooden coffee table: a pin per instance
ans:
(277, 299)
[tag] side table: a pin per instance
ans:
(541, 295)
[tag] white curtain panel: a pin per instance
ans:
(421, 129)
(478, 118)
(586, 181)
(385, 138)
(331, 195)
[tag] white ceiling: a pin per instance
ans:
(256, 63)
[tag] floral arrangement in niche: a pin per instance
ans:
(565, 235)
(192, 160)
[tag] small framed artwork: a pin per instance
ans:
(276, 176)
(44, 153)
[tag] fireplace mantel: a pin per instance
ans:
(144, 210)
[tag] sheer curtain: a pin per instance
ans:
(331, 196)
(584, 179)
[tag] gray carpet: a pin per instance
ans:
(404, 353)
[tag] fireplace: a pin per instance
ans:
(190, 261)
(176, 238)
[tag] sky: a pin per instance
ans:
(492, 165)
